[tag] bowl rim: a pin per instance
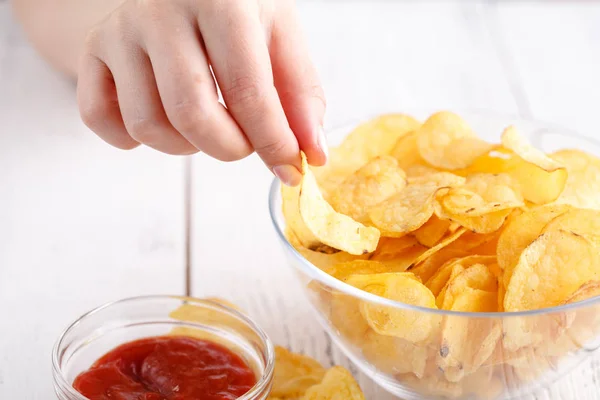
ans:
(262, 383)
(320, 275)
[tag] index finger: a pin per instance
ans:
(242, 66)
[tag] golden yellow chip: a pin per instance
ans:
(482, 194)
(583, 181)
(456, 270)
(393, 355)
(432, 232)
(541, 179)
(412, 207)
(329, 227)
(520, 232)
(398, 253)
(476, 276)
(413, 326)
(378, 136)
(389, 248)
(338, 384)
(586, 291)
(377, 180)
(446, 141)
(369, 140)
(437, 282)
(428, 267)
(342, 271)
(414, 172)
(433, 384)
(294, 374)
(481, 205)
(406, 152)
(551, 268)
(441, 277)
(467, 342)
(294, 223)
(582, 222)
(347, 319)
(443, 243)
(321, 256)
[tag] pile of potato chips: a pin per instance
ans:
(295, 377)
(430, 215)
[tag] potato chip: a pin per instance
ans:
(446, 141)
(482, 194)
(586, 291)
(329, 227)
(475, 276)
(406, 152)
(294, 374)
(347, 319)
(583, 182)
(441, 277)
(437, 282)
(378, 136)
(541, 179)
(389, 248)
(338, 384)
(377, 180)
(398, 253)
(323, 257)
(456, 270)
(393, 355)
(467, 342)
(432, 232)
(443, 243)
(342, 271)
(581, 222)
(551, 268)
(407, 324)
(428, 267)
(481, 205)
(583, 324)
(433, 383)
(520, 232)
(411, 208)
(295, 224)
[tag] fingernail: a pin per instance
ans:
(288, 174)
(322, 140)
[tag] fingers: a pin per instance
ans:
(188, 90)
(140, 106)
(140, 103)
(298, 86)
(240, 59)
(98, 105)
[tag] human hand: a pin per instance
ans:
(145, 78)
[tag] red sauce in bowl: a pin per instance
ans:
(167, 368)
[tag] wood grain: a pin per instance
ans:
(80, 223)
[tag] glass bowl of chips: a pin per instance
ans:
(451, 256)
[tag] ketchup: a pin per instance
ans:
(167, 368)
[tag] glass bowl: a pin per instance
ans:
(106, 327)
(504, 355)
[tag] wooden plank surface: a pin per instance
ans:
(80, 223)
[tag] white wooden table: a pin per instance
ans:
(82, 223)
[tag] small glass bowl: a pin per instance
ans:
(106, 327)
(533, 348)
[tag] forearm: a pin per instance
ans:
(57, 28)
